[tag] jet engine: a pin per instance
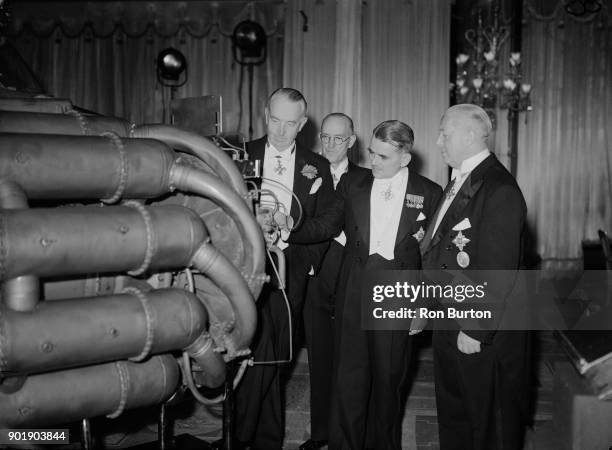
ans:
(129, 257)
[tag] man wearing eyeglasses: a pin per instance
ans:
(337, 137)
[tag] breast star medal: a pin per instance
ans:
(419, 235)
(463, 259)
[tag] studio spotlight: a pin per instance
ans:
(249, 47)
(171, 64)
(249, 39)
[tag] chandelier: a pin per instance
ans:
(478, 79)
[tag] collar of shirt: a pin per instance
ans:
(470, 164)
(272, 152)
(392, 183)
(341, 169)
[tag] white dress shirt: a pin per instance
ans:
(386, 203)
(338, 171)
(460, 175)
(279, 167)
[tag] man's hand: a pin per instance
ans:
(284, 221)
(466, 344)
(266, 222)
(417, 325)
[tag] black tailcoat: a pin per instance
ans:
(259, 414)
(481, 397)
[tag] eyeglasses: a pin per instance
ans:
(338, 140)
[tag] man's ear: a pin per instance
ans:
(352, 140)
(470, 137)
(267, 114)
(406, 157)
(303, 121)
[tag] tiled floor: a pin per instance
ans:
(419, 424)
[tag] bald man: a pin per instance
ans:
(481, 375)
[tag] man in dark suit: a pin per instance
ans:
(481, 374)
(337, 137)
(290, 172)
(385, 215)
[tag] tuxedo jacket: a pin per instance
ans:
(357, 220)
(333, 259)
(490, 211)
(350, 211)
(301, 257)
(493, 204)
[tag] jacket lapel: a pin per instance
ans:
(301, 184)
(361, 209)
(469, 188)
(460, 201)
(409, 215)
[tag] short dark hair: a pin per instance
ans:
(395, 133)
(289, 93)
(341, 115)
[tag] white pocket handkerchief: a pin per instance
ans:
(316, 185)
(420, 217)
(463, 225)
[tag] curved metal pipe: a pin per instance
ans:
(21, 293)
(79, 167)
(211, 362)
(70, 395)
(40, 164)
(192, 180)
(67, 333)
(199, 146)
(79, 240)
(73, 123)
(79, 124)
(233, 332)
(11, 195)
(50, 241)
(42, 105)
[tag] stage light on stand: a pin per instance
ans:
(249, 46)
(170, 65)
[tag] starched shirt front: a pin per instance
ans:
(273, 159)
(386, 204)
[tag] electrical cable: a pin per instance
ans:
(185, 366)
(252, 183)
(229, 146)
(240, 103)
(251, 361)
(282, 186)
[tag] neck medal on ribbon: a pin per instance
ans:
(387, 194)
